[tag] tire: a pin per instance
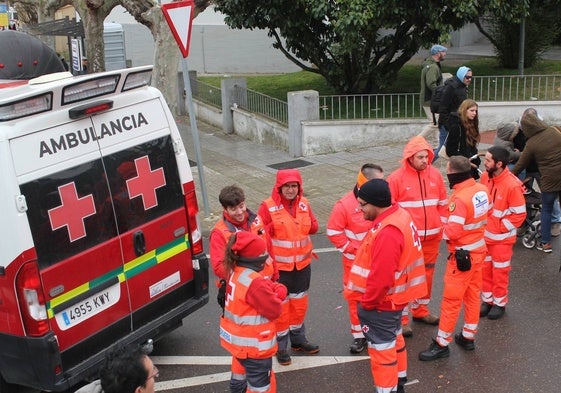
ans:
(529, 240)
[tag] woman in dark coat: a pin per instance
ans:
(463, 136)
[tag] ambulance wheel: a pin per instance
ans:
(529, 240)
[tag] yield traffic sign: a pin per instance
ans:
(179, 16)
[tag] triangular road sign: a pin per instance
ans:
(179, 16)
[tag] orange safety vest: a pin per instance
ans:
(346, 224)
(257, 228)
(291, 242)
(476, 199)
(410, 280)
(508, 207)
(423, 195)
(243, 331)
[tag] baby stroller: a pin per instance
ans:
(530, 229)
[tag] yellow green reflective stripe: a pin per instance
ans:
(130, 269)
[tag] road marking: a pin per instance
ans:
(326, 249)
(298, 363)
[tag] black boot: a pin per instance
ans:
(434, 352)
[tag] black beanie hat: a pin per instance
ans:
(376, 192)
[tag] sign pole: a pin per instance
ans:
(179, 16)
(195, 132)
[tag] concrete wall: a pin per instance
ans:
(321, 137)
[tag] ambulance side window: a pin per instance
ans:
(68, 212)
(144, 183)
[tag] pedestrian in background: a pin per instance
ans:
(388, 272)
(289, 221)
(463, 137)
(455, 92)
(431, 76)
(419, 188)
(346, 228)
(468, 206)
(247, 328)
(543, 143)
(508, 213)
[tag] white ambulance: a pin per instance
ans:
(99, 234)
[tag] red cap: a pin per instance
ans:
(248, 245)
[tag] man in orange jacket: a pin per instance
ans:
(419, 188)
(387, 273)
(289, 221)
(468, 207)
(346, 228)
(507, 214)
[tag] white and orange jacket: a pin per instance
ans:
(508, 207)
(422, 193)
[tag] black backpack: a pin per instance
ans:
(436, 97)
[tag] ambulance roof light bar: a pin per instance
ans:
(90, 88)
(27, 107)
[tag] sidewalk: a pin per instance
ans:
(230, 159)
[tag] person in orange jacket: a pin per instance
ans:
(507, 214)
(387, 273)
(253, 302)
(346, 227)
(236, 217)
(468, 207)
(419, 188)
(289, 221)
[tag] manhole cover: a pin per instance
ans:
(290, 164)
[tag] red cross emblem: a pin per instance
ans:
(72, 212)
(146, 182)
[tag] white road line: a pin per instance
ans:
(327, 249)
(298, 363)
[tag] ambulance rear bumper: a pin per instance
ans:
(31, 361)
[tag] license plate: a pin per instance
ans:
(89, 307)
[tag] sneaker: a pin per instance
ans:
(358, 345)
(468, 345)
(484, 309)
(306, 348)
(434, 352)
(545, 247)
(283, 358)
(428, 319)
(406, 330)
(556, 229)
(496, 312)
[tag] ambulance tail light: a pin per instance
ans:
(137, 79)
(27, 107)
(32, 301)
(194, 223)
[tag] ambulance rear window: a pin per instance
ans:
(87, 205)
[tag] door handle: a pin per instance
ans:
(139, 243)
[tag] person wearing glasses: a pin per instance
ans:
(289, 222)
(126, 369)
(455, 91)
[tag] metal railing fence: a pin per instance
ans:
(206, 93)
(516, 88)
(370, 106)
(388, 106)
(253, 101)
